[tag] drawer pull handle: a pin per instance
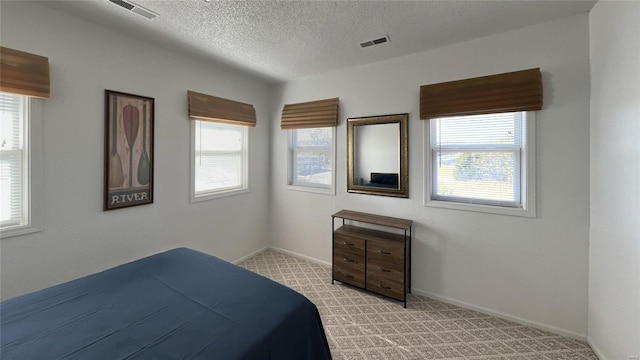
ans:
(346, 243)
(349, 276)
(348, 260)
(384, 252)
(383, 269)
(384, 287)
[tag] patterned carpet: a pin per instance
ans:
(360, 325)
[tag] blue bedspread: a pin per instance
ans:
(180, 304)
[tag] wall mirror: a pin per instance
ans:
(378, 155)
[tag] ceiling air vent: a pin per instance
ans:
(148, 14)
(381, 40)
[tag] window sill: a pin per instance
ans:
(312, 189)
(19, 230)
(217, 195)
(498, 210)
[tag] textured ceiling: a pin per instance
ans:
(284, 40)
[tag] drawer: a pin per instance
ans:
(349, 275)
(352, 244)
(383, 272)
(347, 259)
(387, 287)
(387, 255)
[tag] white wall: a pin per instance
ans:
(534, 270)
(614, 253)
(78, 237)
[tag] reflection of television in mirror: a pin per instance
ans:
(383, 180)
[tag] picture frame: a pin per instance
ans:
(128, 150)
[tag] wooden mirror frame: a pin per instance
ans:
(403, 175)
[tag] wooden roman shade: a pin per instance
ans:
(312, 114)
(514, 91)
(215, 109)
(23, 73)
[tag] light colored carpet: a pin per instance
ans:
(360, 325)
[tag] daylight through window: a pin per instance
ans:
(220, 158)
(14, 161)
(311, 157)
(479, 159)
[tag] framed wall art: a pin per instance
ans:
(128, 173)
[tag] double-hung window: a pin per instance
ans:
(219, 159)
(14, 162)
(219, 146)
(482, 162)
(311, 150)
(480, 136)
(24, 76)
(19, 167)
(311, 158)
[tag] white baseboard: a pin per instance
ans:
(309, 258)
(595, 349)
(516, 319)
(249, 256)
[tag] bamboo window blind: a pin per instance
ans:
(312, 114)
(215, 109)
(24, 73)
(507, 92)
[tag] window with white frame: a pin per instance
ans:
(15, 174)
(311, 158)
(219, 159)
(483, 163)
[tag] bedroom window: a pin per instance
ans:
(19, 167)
(219, 145)
(219, 159)
(480, 136)
(311, 154)
(311, 146)
(482, 163)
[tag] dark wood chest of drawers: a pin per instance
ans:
(374, 260)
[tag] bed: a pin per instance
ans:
(179, 304)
